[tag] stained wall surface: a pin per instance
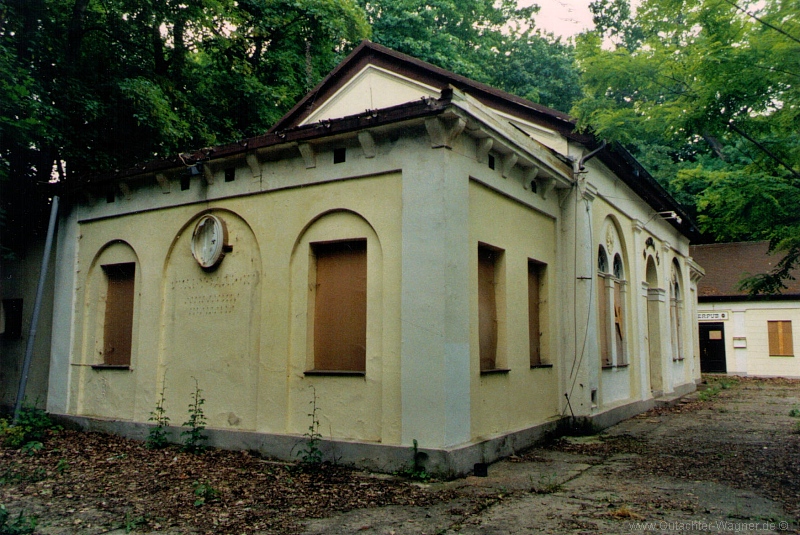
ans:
(422, 197)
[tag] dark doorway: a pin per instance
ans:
(712, 348)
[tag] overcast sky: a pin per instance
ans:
(562, 17)
(565, 17)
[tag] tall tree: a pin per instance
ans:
(710, 88)
(492, 42)
(102, 84)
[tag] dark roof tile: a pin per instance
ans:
(726, 264)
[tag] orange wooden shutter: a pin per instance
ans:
(340, 308)
(533, 314)
(487, 308)
(118, 329)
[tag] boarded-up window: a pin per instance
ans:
(487, 306)
(780, 338)
(340, 306)
(535, 271)
(676, 316)
(118, 325)
(619, 324)
(603, 325)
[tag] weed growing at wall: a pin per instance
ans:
(311, 454)
(194, 437)
(157, 438)
(417, 470)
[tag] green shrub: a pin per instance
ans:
(32, 426)
(15, 526)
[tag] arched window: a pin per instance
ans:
(603, 304)
(336, 260)
(611, 291)
(618, 267)
(676, 312)
(619, 312)
(602, 261)
(112, 281)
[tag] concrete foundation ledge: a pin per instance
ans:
(453, 462)
(619, 413)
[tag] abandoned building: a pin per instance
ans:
(441, 261)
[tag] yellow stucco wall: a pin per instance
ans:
(241, 330)
(522, 396)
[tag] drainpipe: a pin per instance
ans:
(26, 364)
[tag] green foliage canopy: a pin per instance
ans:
(105, 84)
(102, 84)
(706, 94)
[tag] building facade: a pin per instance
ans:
(740, 334)
(426, 258)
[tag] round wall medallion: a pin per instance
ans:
(208, 241)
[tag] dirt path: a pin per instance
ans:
(730, 464)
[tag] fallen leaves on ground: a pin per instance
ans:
(218, 491)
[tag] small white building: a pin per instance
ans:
(740, 334)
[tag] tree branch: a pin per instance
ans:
(765, 23)
(764, 149)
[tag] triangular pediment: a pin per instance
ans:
(375, 77)
(371, 88)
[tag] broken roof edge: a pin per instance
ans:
(625, 166)
(637, 177)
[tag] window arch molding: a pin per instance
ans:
(612, 291)
(331, 244)
(111, 305)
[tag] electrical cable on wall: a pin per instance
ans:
(578, 360)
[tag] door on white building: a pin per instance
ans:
(712, 348)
